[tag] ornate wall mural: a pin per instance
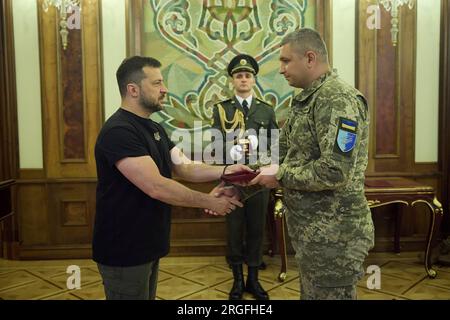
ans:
(196, 39)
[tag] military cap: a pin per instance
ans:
(243, 62)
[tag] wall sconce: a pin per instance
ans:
(64, 7)
(392, 6)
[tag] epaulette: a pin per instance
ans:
(220, 102)
(263, 102)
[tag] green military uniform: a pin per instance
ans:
(245, 226)
(323, 156)
(249, 220)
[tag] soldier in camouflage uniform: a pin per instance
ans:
(323, 151)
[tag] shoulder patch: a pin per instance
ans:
(346, 137)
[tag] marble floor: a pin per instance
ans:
(209, 278)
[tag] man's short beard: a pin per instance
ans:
(149, 105)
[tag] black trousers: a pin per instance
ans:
(245, 231)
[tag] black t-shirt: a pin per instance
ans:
(131, 228)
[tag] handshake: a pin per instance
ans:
(231, 191)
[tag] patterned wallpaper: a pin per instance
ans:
(196, 39)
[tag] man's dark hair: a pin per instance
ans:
(131, 71)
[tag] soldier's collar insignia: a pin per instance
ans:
(157, 136)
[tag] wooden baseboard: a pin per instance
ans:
(209, 247)
(10, 250)
(81, 251)
(407, 244)
(30, 174)
(84, 251)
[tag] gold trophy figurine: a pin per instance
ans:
(245, 144)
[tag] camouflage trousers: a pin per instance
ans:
(329, 272)
(310, 291)
(325, 278)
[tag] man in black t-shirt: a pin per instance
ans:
(135, 159)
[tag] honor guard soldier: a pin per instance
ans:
(248, 115)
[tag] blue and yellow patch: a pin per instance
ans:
(346, 137)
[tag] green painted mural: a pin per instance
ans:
(196, 39)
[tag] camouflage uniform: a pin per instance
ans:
(323, 156)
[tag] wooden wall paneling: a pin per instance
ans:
(366, 71)
(324, 24)
(387, 79)
(386, 76)
(415, 222)
(15, 224)
(134, 27)
(56, 218)
(403, 135)
(93, 78)
(48, 33)
(72, 131)
(444, 113)
(9, 151)
(387, 109)
(407, 94)
(57, 204)
(71, 207)
(391, 147)
(101, 66)
(407, 86)
(72, 103)
(32, 212)
(190, 229)
(31, 174)
(196, 233)
(7, 219)
(193, 231)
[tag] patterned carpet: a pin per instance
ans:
(209, 278)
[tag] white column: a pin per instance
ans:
(114, 50)
(427, 80)
(28, 83)
(344, 37)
